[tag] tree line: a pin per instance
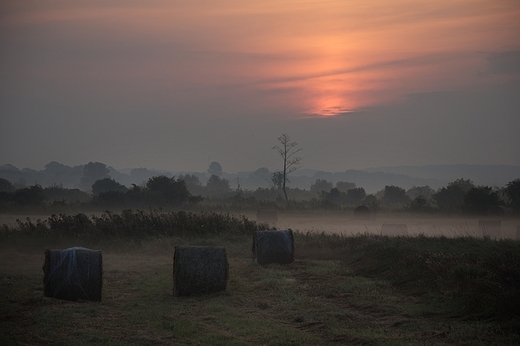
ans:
(186, 191)
(161, 191)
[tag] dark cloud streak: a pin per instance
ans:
(505, 62)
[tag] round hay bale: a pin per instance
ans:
(394, 229)
(518, 232)
(498, 210)
(267, 216)
(490, 228)
(199, 270)
(72, 274)
(273, 247)
(364, 212)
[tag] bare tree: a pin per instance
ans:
(288, 151)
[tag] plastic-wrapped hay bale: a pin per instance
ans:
(394, 229)
(364, 212)
(518, 232)
(499, 210)
(490, 228)
(199, 270)
(72, 274)
(267, 216)
(273, 247)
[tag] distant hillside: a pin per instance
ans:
(488, 175)
(435, 176)
(371, 179)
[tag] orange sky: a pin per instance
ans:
(326, 56)
(231, 58)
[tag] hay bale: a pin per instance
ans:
(394, 229)
(199, 270)
(364, 212)
(498, 210)
(273, 247)
(267, 216)
(490, 228)
(518, 232)
(72, 274)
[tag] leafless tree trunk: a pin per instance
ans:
(288, 151)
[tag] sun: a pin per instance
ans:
(328, 106)
(329, 96)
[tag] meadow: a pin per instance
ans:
(442, 285)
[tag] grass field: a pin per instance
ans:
(326, 297)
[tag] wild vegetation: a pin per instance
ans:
(133, 225)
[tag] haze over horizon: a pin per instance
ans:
(176, 85)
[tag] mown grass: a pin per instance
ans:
(361, 290)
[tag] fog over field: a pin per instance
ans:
(346, 224)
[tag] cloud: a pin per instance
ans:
(145, 77)
(505, 62)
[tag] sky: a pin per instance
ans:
(176, 85)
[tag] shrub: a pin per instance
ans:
(135, 224)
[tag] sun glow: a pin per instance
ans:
(327, 88)
(328, 106)
(297, 57)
